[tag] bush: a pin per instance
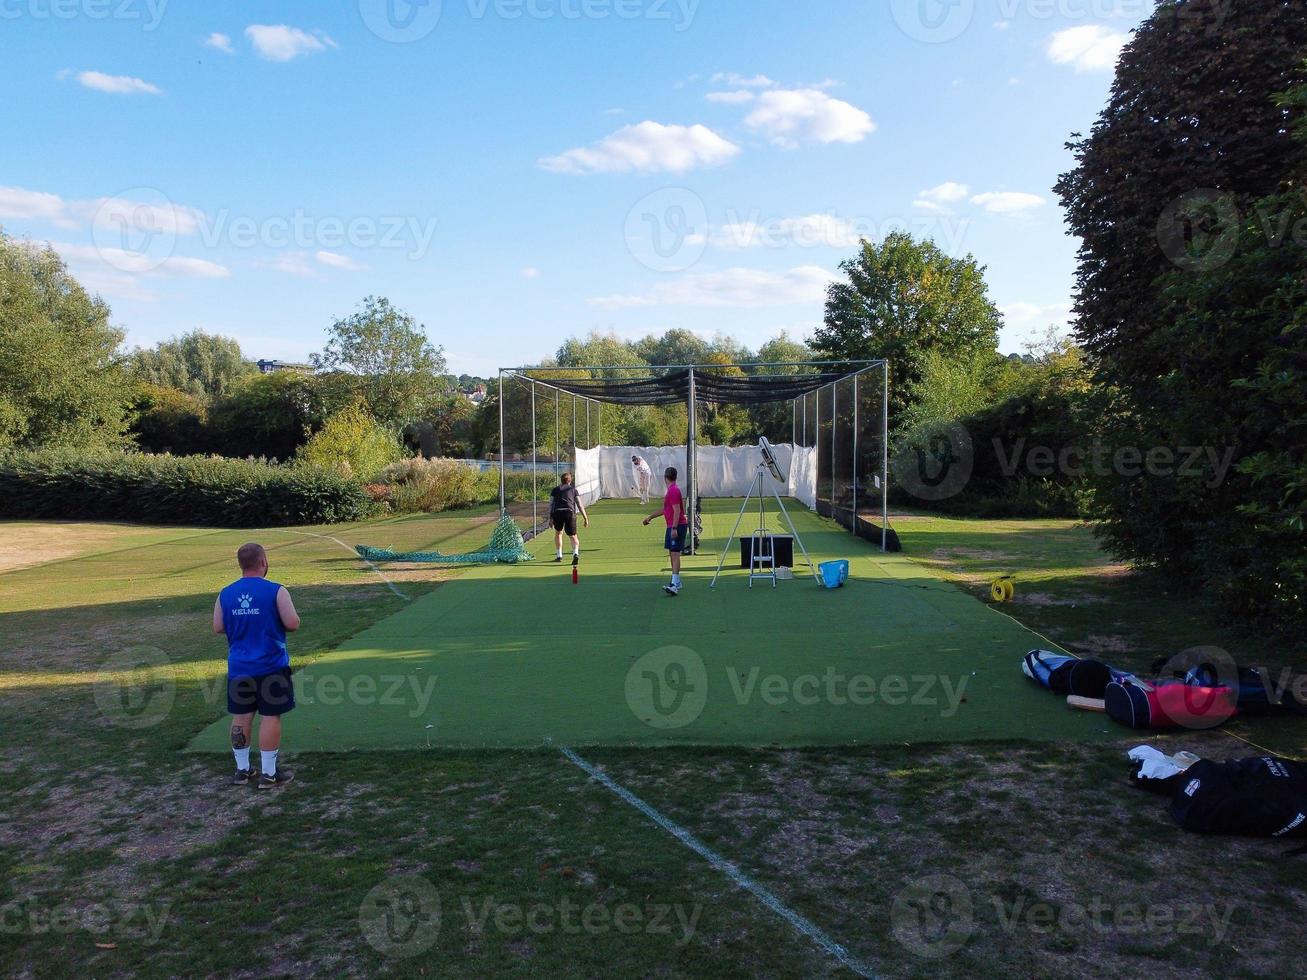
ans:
(434, 485)
(203, 491)
(352, 442)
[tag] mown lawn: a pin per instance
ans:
(121, 856)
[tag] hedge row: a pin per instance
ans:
(206, 491)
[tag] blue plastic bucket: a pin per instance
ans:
(834, 573)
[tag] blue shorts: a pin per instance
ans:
(269, 695)
(675, 539)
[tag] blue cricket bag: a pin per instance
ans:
(1063, 674)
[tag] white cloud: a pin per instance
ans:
(739, 288)
(807, 231)
(20, 204)
(1007, 202)
(116, 84)
(279, 42)
(338, 261)
(291, 263)
(219, 42)
(938, 199)
(1025, 314)
(789, 117)
(136, 263)
(1090, 47)
(736, 97)
(648, 147)
(732, 80)
(530, 272)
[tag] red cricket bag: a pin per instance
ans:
(1170, 704)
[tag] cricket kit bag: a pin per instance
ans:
(1170, 704)
(1260, 690)
(1258, 797)
(1062, 674)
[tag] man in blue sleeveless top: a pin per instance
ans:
(255, 615)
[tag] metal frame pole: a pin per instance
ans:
(588, 443)
(691, 452)
(535, 461)
(816, 445)
(884, 471)
(503, 509)
(557, 443)
(574, 432)
(834, 434)
(855, 455)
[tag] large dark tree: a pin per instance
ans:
(905, 298)
(1187, 200)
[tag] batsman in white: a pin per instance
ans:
(643, 476)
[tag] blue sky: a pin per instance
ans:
(513, 172)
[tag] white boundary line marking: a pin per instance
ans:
(720, 863)
(326, 537)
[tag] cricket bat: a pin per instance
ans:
(1086, 704)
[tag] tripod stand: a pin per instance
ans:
(764, 550)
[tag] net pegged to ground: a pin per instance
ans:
(519, 656)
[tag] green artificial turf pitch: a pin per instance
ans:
(520, 657)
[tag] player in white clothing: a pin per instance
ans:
(643, 476)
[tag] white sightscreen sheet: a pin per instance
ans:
(724, 471)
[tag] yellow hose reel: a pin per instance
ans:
(1003, 588)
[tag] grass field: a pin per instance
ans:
(121, 853)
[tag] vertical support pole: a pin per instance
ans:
(502, 508)
(834, 433)
(535, 459)
(573, 430)
(884, 472)
(816, 446)
(691, 452)
(557, 437)
(588, 443)
(599, 409)
(856, 460)
(794, 423)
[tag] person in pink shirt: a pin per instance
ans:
(678, 527)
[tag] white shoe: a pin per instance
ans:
(672, 589)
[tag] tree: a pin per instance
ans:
(200, 364)
(353, 443)
(1187, 200)
(169, 421)
(905, 298)
(388, 360)
(268, 415)
(61, 378)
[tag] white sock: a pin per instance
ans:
(676, 580)
(576, 550)
(269, 761)
(242, 758)
(558, 553)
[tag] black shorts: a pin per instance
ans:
(565, 521)
(674, 540)
(269, 695)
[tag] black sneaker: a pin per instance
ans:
(282, 777)
(576, 560)
(243, 776)
(558, 558)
